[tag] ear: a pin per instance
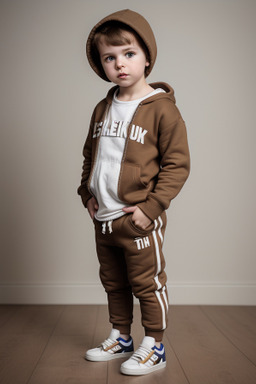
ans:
(147, 64)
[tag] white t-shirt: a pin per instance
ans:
(104, 181)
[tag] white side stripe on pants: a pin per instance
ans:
(159, 286)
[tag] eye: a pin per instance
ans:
(130, 54)
(109, 58)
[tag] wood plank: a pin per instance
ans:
(206, 356)
(204, 345)
(6, 312)
(23, 339)
(63, 359)
(252, 310)
(102, 326)
(238, 323)
(171, 374)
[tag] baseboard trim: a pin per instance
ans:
(179, 293)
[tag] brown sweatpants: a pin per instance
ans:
(132, 262)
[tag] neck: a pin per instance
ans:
(135, 92)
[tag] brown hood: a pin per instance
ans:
(136, 22)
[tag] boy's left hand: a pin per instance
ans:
(139, 218)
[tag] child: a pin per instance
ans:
(136, 160)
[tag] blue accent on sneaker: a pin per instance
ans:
(160, 352)
(126, 345)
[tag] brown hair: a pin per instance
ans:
(114, 33)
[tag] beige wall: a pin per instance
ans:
(207, 53)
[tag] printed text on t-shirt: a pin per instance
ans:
(119, 129)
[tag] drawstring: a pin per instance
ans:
(110, 226)
(104, 227)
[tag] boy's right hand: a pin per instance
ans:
(92, 206)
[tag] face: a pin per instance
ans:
(123, 65)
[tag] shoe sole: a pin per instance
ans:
(142, 371)
(108, 357)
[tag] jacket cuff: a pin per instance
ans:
(151, 208)
(85, 195)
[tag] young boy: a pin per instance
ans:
(136, 160)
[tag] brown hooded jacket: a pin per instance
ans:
(156, 164)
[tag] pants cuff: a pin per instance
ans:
(124, 329)
(158, 335)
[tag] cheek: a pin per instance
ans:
(106, 67)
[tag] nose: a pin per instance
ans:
(119, 63)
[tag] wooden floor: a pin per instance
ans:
(204, 345)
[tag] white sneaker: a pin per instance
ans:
(146, 359)
(112, 348)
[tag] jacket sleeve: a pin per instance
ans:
(174, 168)
(83, 190)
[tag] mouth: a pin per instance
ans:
(122, 75)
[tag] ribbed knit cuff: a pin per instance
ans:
(124, 329)
(158, 335)
(151, 208)
(85, 195)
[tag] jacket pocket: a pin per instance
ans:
(130, 187)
